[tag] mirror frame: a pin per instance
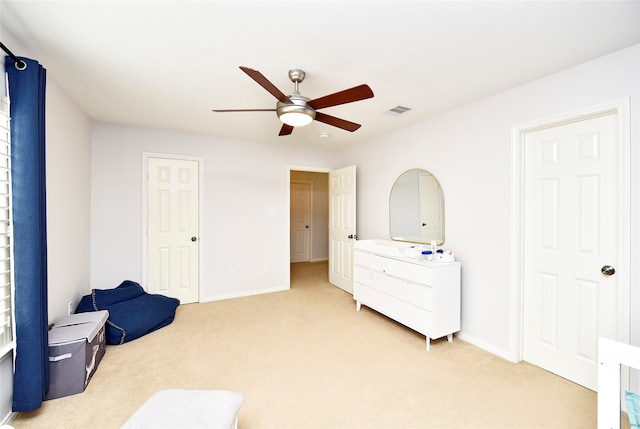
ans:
(416, 239)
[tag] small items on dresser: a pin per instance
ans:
(448, 256)
(414, 251)
(432, 255)
(429, 253)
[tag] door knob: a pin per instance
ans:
(194, 239)
(607, 270)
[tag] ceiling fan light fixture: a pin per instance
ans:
(296, 115)
(296, 110)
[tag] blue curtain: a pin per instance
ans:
(27, 103)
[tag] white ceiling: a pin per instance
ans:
(166, 64)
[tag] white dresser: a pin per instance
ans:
(423, 295)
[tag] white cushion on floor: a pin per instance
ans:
(177, 408)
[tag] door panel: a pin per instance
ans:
(571, 231)
(342, 226)
(300, 219)
(173, 240)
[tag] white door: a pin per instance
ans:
(173, 240)
(300, 219)
(571, 232)
(342, 226)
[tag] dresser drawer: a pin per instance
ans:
(409, 315)
(362, 274)
(413, 272)
(412, 293)
(362, 258)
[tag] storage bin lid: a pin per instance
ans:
(77, 327)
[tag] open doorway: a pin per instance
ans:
(309, 216)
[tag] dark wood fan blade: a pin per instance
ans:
(243, 110)
(285, 130)
(264, 82)
(350, 95)
(337, 122)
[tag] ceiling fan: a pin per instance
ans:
(296, 110)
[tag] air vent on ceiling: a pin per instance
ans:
(398, 110)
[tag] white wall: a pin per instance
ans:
(469, 150)
(68, 200)
(243, 181)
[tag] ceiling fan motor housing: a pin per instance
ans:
(298, 106)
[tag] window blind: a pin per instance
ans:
(6, 251)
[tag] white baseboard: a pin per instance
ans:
(9, 419)
(242, 294)
(505, 354)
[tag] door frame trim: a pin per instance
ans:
(145, 213)
(620, 107)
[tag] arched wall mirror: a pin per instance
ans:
(416, 208)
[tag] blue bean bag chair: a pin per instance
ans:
(132, 311)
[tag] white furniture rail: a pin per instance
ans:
(611, 355)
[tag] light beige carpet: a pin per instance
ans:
(305, 358)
